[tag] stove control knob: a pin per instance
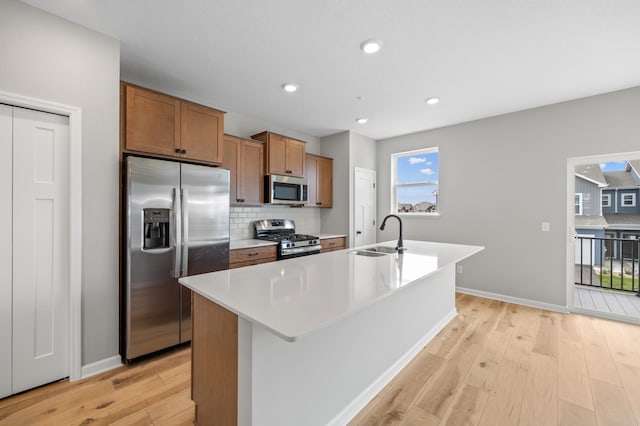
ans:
(293, 244)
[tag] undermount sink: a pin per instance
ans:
(382, 249)
(368, 253)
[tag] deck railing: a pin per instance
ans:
(608, 263)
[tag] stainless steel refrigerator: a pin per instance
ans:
(177, 224)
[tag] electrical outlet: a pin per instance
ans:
(459, 269)
(546, 227)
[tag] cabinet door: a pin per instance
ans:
(250, 175)
(325, 182)
(277, 154)
(230, 162)
(152, 122)
(310, 171)
(295, 158)
(201, 134)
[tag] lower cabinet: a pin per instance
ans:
(331, 244)
(252, 256)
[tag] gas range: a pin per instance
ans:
(290, 244)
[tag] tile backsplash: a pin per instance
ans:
(307, 220)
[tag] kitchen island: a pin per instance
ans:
(312, 340)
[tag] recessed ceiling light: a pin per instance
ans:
(290, 87)
(361, 120)
(371, 46)
(432, 101)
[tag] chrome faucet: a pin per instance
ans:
(400, 247)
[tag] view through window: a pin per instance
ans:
(415, 181)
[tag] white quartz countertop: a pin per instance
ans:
(242, 244)
(295, 297)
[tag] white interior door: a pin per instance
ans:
(364, 207)
(40, 248)
(6, 145)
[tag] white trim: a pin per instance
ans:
(515, 300)
(361, 401)
(633, 199)
(570, 208)
(605, 315)
(600, 184)
(101, 366)
(75, 218)
(602, 204)
(352, 213)
(394, 185)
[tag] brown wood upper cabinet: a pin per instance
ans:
(244, 159)
(283, 155)
(319, 173)
(155, 123)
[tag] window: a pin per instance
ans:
(606, 200)
(629, 200)
(415, 182)
(578, 202)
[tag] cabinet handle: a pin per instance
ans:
(319, 203)
(177, 150)
(332, 244)
(252, 254)
(184, 151)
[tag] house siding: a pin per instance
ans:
(617, 196)
(590, 197)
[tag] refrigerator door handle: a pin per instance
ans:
(185, 233)
(177, 232)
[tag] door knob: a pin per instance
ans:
(358, 232)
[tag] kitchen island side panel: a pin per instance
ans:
(328, 376)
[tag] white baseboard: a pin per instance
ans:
(516, 300)
(101, 366)
(351, 410)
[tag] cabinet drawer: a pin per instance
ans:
(251, 254)
(333, 244)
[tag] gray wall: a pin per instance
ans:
(502, 176)
(47, 58)
(336, 219)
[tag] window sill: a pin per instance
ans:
(408, 214)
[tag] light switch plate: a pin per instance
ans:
(546, 227)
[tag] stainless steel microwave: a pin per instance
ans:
(285, 189)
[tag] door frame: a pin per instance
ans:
(570, 212)
(352, 213)
(75, 217)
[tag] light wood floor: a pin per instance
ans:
(495, 364)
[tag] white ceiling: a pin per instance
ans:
(482, 58)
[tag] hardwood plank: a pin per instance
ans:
(630, 376)
(540, 401)
(484, 371)
(405, 388)
(623, 341)
(575, 415)
(597, 355)
(467, 407)
(611, 405)
(573, 376)
(439, 393)
(547, 335)
(139, 418)
(505, 399)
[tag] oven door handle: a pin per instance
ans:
(298, 250)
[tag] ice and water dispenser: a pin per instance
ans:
(156, 229)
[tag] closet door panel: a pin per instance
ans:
(6, 144)
(40, 248)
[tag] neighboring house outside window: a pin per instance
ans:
(629, 200)
(606, 200)
(578, 204)
(415, 182)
